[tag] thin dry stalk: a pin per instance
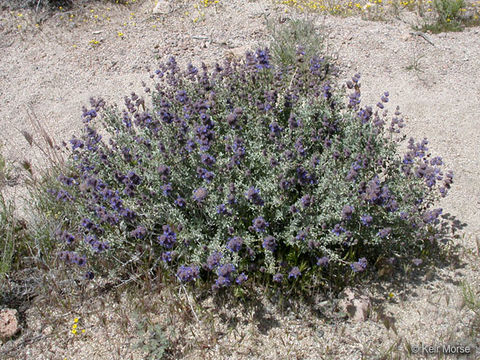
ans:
(52, 148)
(49, 149)
(190, 303)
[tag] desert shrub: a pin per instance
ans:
(247, 171)
(447, 16)
(296, 33)
(36, 4)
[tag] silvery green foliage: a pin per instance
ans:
(246, 170)
(153, 341)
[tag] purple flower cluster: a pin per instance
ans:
(366, 219)
(241, 278)
(259, 224)
(294, 273)
(188, 273)
(167, 256)
(224, 273)
(307, 201)
(71, 257)
(179, 201)
(213, 260)
(301, 236)
(235, 244)
(269, 243)
(261, 60)
(97, 246)
(168, 238)
(205, 174)
(323, 261)
(384, 232)
(253, 195)
(338, 229)
(139, 233)
(431, 216)
(200, 194)
(65, 236)
(278, 277)
(347, 212)
(359, 266)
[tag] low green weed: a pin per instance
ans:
(153, 341)
(14, 238)
(296, 34)
(471, 300)
(447, 13)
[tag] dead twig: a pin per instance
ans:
(190, 303)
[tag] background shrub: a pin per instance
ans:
(448, 16)
(36, 4)
(247, 171)
(296, 34)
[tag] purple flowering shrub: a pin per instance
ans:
(248, 170)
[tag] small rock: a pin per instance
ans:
(161, 8)
(8, 323)
(355, 305)
(237, 53)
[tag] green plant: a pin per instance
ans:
(471, 300)
(448, 10)
(153, 340)
(7, 236)
(447, 16)
(37, 4)
(293, 36)
(416, 58)
(14, 239)
(5, 171)
(247, 171)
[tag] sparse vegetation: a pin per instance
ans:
(289, 37)
(471, 299)
(447, 16)
(14, 240)
(153, 340)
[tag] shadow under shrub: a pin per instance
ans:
(245, 172)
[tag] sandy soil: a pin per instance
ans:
(53, 69)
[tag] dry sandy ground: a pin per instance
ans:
(52, 70)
